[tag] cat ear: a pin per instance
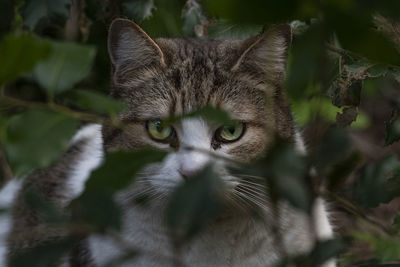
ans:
(130, 47)
(266, 53)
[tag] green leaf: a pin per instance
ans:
(194, 202)
(307, 50)
(377, 70)
(285, 172)
(374, 186)
(45, 254)
(67, 64)
(96, 205)
(93, 101)
(19, 54)
(222, 29)
(166, 20)
(122, 166)
(322, 252)
(396, 222)
(387, 249)
(36, 138)
(341, 170)
(35, 10)
(306, 110)
(259, 11)
(138, 9)
(393, 128)
(333, 148)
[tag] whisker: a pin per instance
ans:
(250, 176)
(259, 189)
(253, 201)
(255, 197)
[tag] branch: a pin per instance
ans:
(359, 213)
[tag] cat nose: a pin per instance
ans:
(188, 173)
(191, 164)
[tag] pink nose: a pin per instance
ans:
(187, 173)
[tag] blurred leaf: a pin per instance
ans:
(322, 252)
(138, 9)
(96, 205)
(67, 64)
(97, 211)
(387, 249)
(6, 16)
(121, 177)
(36, 138)
(285, 171)
(307, 50)
(166, 19)
(362, 121)
(93, 101)
(193, 203)
(393, 128)
(35, 10)
(19, 54)
(48, 211)
(396, 222)
(348, 116)
(192, 17)
(259, 11)
(335, 146)
(341, 170)
(356, 33)
(374, 186)
(46, 254)
(222, 29)
(305, 110)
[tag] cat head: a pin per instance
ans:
(159, 78)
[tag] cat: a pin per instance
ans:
(158, 78)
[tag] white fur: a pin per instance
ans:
(7, 195)
(90, 158)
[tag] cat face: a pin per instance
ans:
(169, 77)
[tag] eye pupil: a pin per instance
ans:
(230, 133)
(158, 125)
(158, 130)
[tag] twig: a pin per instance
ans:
(65, 110)
(353, 209)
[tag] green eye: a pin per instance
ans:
(158, 131)
(230, 133)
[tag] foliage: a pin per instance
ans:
(344, 53)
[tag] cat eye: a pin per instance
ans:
(159, 131)
(230, 133)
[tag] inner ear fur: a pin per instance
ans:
(130, 47)
(266, 52)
